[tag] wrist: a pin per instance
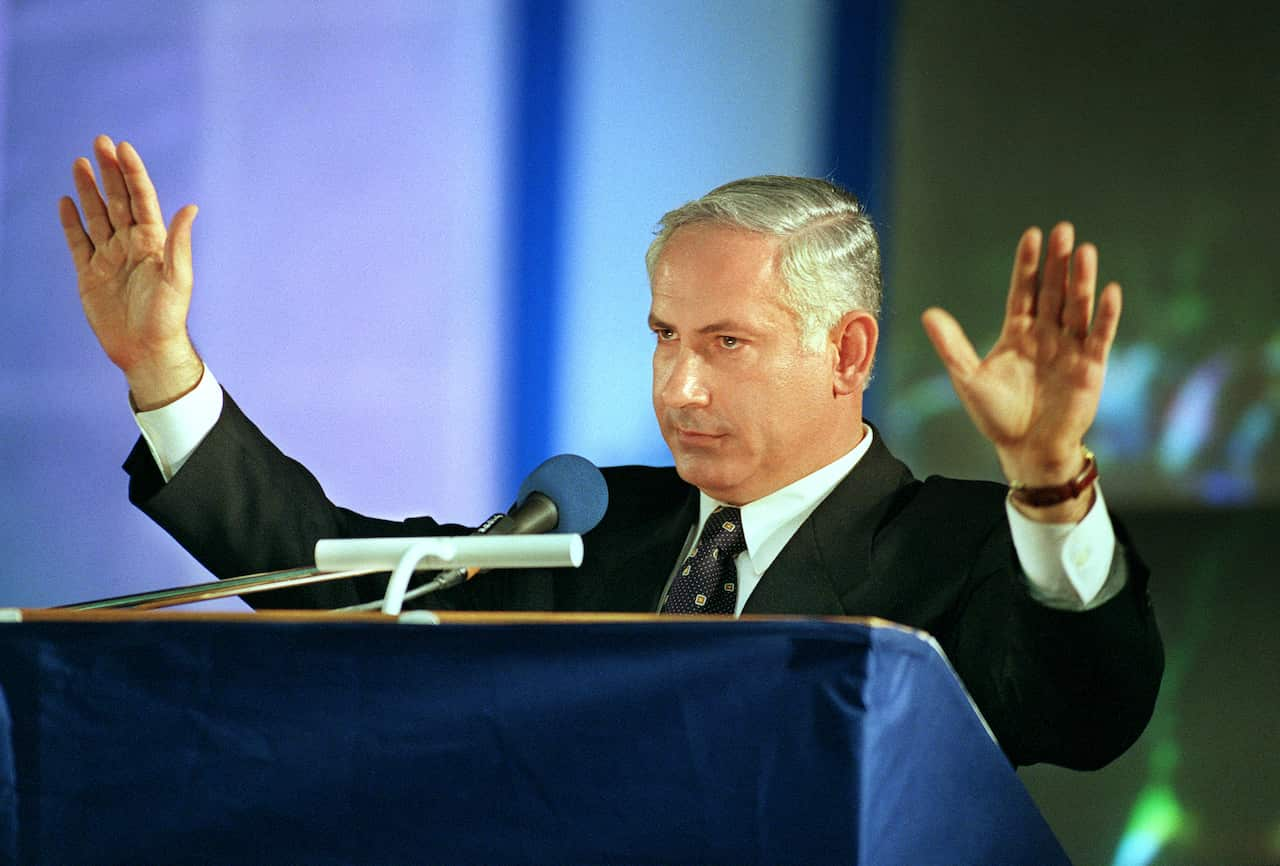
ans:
(159, 381)
(1059, 500)
(1068, 512)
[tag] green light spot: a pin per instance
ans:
(1157, 814)
(1157, 819)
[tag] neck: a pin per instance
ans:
(840, 447)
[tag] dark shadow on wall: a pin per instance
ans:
(1202, 785)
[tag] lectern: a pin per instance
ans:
(313, 738)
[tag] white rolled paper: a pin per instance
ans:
(458, 551)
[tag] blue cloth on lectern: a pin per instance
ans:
(257, 742)
(8, 788)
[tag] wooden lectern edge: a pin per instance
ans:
(443, 617)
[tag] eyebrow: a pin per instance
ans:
(717, 326)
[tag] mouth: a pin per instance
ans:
(696, 437)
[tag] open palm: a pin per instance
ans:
(1036, 392)
(134, 276)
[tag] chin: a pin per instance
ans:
(715, 481)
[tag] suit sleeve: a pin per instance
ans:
(1074, 688)
(240, 506)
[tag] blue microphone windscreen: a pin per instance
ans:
(575, 485)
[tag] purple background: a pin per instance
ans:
(355, 171)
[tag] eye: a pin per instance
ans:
(730, 342)
(664, 335)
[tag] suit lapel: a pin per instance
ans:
(652, 542)
(831, 551)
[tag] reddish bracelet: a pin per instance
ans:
(1042, 497)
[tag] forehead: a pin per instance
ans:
(718, 269)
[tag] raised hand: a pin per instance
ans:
(134, 276)
(1036, 392)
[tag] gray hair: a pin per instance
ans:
(830, 255)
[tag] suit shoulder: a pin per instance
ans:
(940, 486)
(643, 482)
(950, 502)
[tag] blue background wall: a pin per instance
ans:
(422, 227)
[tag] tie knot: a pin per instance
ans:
(724, 532)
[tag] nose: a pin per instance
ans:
(685, 381)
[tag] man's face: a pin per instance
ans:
(742, 404)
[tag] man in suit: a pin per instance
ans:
(765, 294)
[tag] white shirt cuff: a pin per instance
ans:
(173, 432)
(1066, 564)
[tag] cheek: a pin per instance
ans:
(661, 375)
(805, 376)
(797, 395)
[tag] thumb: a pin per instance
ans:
(177, 247)
(950, 342)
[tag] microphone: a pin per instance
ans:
(565, 494)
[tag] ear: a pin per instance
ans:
(853, 344)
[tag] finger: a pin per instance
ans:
(95, 212)
(1053, 283)
(177, 247)
(1077, 309)
(142, 193)
(1106, 324)
(1022, 282)
(950, 342)
(77, 240)
(118, 208)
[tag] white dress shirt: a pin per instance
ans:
(1067, 566)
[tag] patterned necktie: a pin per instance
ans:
(707, 581)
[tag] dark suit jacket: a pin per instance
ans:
(1070, 688)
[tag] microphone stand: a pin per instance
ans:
(338, 559)
(246, 585)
